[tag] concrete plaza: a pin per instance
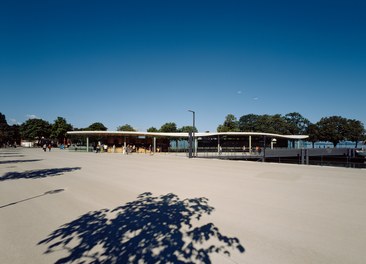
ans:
(70, 207)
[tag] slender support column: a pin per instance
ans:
(190, 145)
(264, 148)
(250, 144)
(195, 146)
(125, 142)
(154, 146)
(87, 144)
(218, 145)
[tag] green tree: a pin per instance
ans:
(59, 129)
(275, 124)
(314, 134)
(168, 127)
(297, 124)
(126, 127)
(152, 129)
(35, 129)
(248, 123)
(230, 124)
(354, 131)
(4, 130)
(187, 129)
(97, 126)
(332, 129)
(14, 134)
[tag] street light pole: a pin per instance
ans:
(194, 125)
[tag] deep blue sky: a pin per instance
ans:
(147, 62)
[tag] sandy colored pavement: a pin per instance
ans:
(51, 210)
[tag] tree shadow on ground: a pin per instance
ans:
(18, 161)
(36, 174)
(147, 230)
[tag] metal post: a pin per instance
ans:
(194, 125)
(87, 144)
(218, 145)
(154, 148)
(264, 148)
(250, 145)
(190, 145)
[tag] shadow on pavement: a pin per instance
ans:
(34, 197)
(18, 161)
(147, 230)
(11, 156)
(36, 174)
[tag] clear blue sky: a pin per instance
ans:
(146, 63)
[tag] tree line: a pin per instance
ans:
(332, 129)
(39, 129)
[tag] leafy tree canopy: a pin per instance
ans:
(188, 129)
(35, 129)
(59, 129)
(355, 130)
(230, 124)
(97, 127)
(333, 129)
(4, 129)
(126, 127)
(297, 124)
(264, 123)
(152, 129)
(168, 127)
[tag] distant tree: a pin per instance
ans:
(168, 127)
(35, 129)
(97, 127)
(297, 124)
(354, 131)
(313, 132)
(332, 129)
(275, 124)
(125, 127)
(248, 123)
(59, 129)
(4, 130)
(152, 129)
(187, 129)
(230, 124)
(14, 134)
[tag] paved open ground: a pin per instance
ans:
(69, 207)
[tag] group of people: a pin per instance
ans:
(97, 148)
(45, 146)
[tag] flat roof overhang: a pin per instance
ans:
(182, 134)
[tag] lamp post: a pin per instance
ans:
(193, 129)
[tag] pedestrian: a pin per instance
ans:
(44, 147)
(49, 147)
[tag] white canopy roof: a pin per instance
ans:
(182, 134)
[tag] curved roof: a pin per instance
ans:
(182, 134)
